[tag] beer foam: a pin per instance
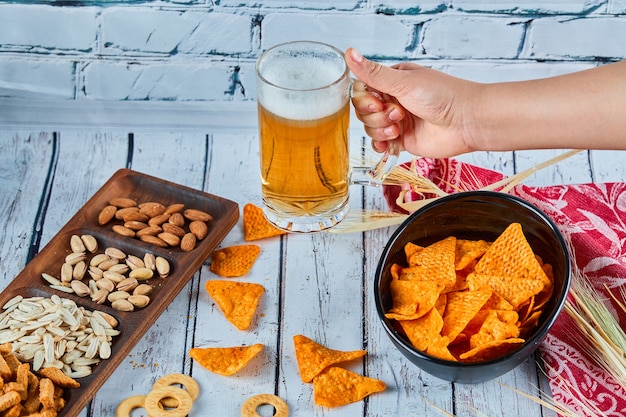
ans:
(294, 76)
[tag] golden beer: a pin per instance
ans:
(304, 113)
(304, 163)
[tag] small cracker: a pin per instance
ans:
(234, 261)
(256, 226)
(59, 378)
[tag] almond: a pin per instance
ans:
(177, 219)
(159, 220)
(153, 240)
(174, 208)
(106, 215)
(152, 208)
(173, 229)
(188, 242)
(149, 231)
(122, 202)
(198, 228)
(123, 212)
(194, 214)
(169, 238)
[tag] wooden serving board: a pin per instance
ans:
(133, 325)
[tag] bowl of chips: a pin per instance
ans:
(469, 285)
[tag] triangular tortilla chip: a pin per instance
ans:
(515, 290)
(234, 261)
(412, 299)
(469, 251)
(237, 300)
(337, 386)
(256, 226)
(462, 306)
(313, 358)
(494, 325)
(491, 350)
(434, 262)
(511, 255)
(424, 331)
(225, 361)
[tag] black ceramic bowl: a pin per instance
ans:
(475, 215)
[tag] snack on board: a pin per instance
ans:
(225, 361)
(237, 300)
(313, 358)
(485, 310)
(250, 406)
(154, 223)
(234, 261)
(337, 386)
(25, 393)
(165, 399)
(256, 226)
(332, 386)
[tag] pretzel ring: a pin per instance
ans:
(186, 381)
(249, 407)
(182, 397)
(129, 404)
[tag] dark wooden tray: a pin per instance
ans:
(133, 325)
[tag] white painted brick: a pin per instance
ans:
(531, 7)
(26, 77)
(294, 4)
(411, 6)
(577, 39)
(462, 36)
(145, 30)
(491, 72)
(372, 34)
(157, 81)
(37, 28)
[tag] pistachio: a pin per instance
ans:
(105, 284)
(52, 280)
(108, 263)
(76, 244)
(142, 289)
(81, 289)
(118, 295)
(80, 269)
(75, 257)
(115, 253)
(162, 266)
(122, 305)
(149, 261)
(98, 259)
(141, 274)
(113, 276)
(128, 284)
(90, 243)
(134, 262)
(100, 296)
(66, 272)
(139, 300)
(95, 272)
(119, 268)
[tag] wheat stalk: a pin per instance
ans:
(362, 221)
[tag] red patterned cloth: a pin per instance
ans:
(592, 217)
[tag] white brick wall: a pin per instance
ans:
(205, 51)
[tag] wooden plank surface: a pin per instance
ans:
(317, 285)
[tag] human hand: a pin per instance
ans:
(421, 110)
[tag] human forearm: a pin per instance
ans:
(582, 110)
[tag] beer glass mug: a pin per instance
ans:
(303, 95)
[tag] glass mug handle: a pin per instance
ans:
(376, 174)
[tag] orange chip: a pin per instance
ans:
(496, 302)
(435, 255)
(412, 299)
(511, 255)
(313, 358)
(515, 290)
(462, 306)
(491, 350)
(234, 261)
(424, 331)
(496, 325)
(337, 386)
(256, 226)
(439, 349)
(469, 251)
(225, 361)
(237, 300)
(411, 248)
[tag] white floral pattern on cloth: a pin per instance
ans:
(593, 219)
